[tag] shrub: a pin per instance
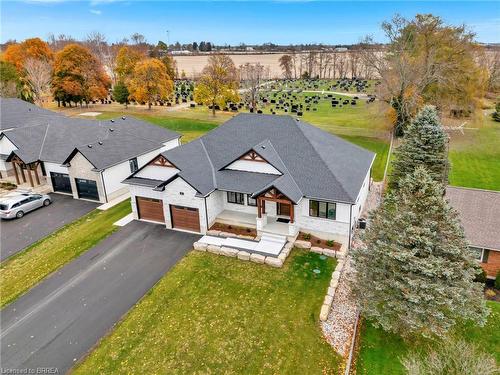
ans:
(330, 243)
(307, 236)
(451, 357)
(497, 281)
(318, 241)
(481, 277)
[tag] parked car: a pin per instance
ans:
(16, 206)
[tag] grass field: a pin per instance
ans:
(475, 156)
(24, 270)
(380, 352)
(218, 315)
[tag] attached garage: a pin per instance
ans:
(150, 209)
(61, 182)
(87, 189)
(186, 218)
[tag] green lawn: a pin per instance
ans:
(475, 157)
(21, 272)
(216, 315)
(380, 352)
(190, 128)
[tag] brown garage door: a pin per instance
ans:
(185, 218)
(150, 209)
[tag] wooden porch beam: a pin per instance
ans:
(291, 213)
(16, 173)
(35, 169)
(28, 170)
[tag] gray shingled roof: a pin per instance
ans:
(479, 212)
(16, 113)
(314, 163)
(53, 138)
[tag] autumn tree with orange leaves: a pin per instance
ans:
(126, 60)
(35, 48)
(150, 82)
(78, 76)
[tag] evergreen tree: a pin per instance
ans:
(496, 114)
(120, 93)
(415, 274)
(424, 144)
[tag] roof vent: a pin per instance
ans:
(263, 147)
(123, 117)
(111, 129)
(89, 146)
(100, 142)
(112, 120)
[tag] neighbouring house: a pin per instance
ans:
(479, 212)
(85, 158)
(273, 173)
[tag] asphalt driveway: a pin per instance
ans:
(60, 320)
(17, 234)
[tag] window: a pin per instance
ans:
(325, 210)
(236, 198)
(480, 254)
(251, 201)
(133, 165)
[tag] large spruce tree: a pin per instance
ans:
(424, 144)
(415, 274)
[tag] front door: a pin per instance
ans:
(283, 209)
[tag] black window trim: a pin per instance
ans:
(235, 201)
(133, 163)
(249, 196)
(327, 209)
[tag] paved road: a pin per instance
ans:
(60, 320)
(17, 234)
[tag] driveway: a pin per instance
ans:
(17, 234)
(59, 321)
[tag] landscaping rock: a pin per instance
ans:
(213, 232)
(302, 244)
(331, 291)
(334, 283)
(317, 250)
(274, 262)
(329, 252)
(257, 258)
(323, 315)
(200, 246)
(282, 257)
(227, 234)
(213, 249)
(229, 252)
(289, 245)
(335, 275)
(243, 255)
(328, 300)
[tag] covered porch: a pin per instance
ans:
(25, 174)
(279, 219)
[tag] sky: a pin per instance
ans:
(249, 22)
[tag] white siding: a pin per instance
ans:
(239, 207)
(215, 205)
(253, 166)
(114, 175)
(6, 147)
(361, 200)
(323, 227)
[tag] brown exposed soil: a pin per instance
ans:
(315, 241)
(234, 229)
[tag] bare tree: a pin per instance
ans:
(286, 64)
(57, 43)
(251, 76)
(104, 53)
(39, 77)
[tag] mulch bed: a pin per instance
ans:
(315, 241)
(234, 229)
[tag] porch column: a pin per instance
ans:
(22, 173)
(16, 173)
(263, 206)
(35, 169)
(28, 169)
(259, 214)
(291, 213)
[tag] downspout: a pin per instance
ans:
(350, 227)
(104, 187)
(206, 212)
